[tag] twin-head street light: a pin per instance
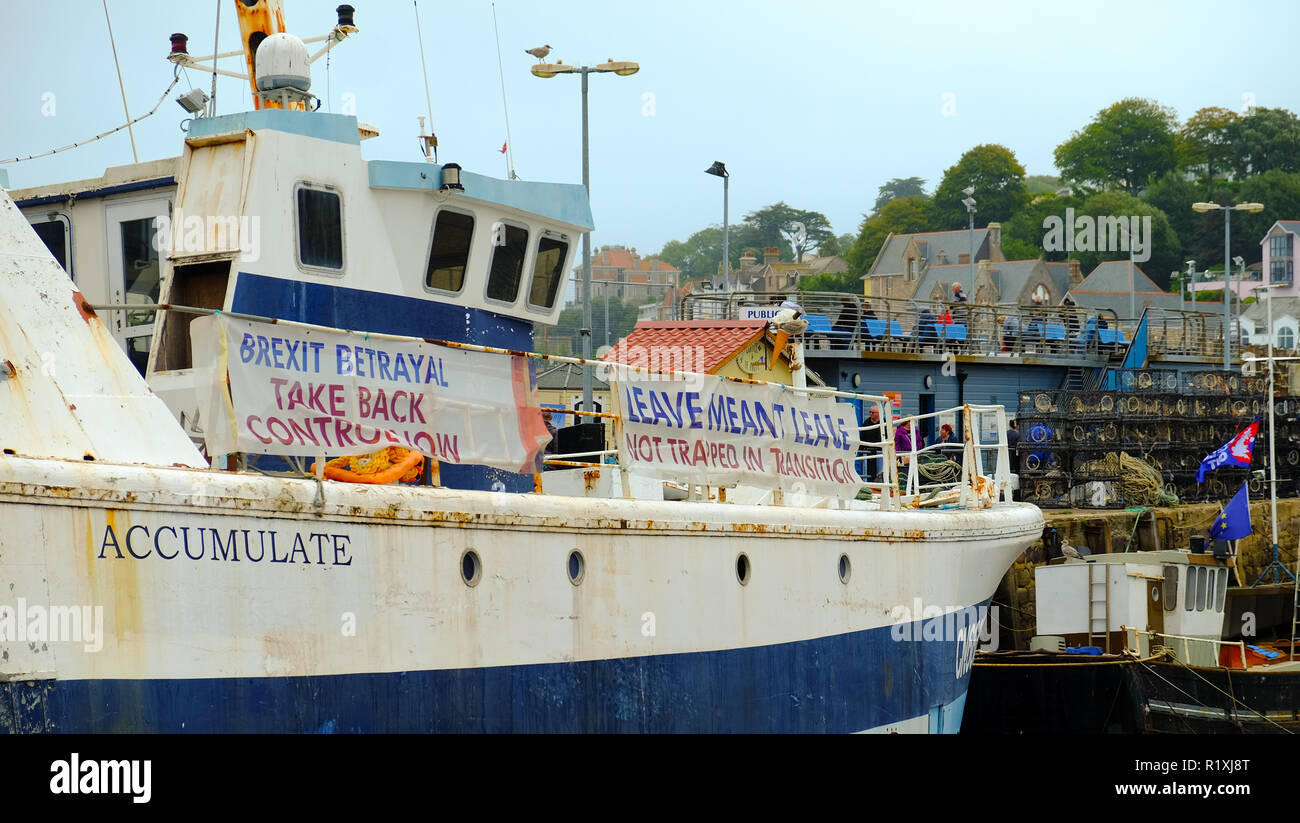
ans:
(1227, 270)
(969, 203)
(623, 68)
(719, 169)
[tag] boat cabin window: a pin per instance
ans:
(1202, 583)
(320, 228)
(1221, 592)
(449, 252)
(1170, 592)
(54, 231)
(1189, 596)
(548, 270)
(509, 245)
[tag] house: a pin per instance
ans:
(728, 348)
(1286, 323)
(560, 387)
(905, 259)
(1108, 287)
(1280, 244)
(620, 273)
(772, 275)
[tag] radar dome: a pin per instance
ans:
(281, 61)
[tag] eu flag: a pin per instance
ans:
(1234, 522)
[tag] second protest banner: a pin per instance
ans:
(706, 430)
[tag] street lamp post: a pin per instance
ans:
(969, 203)
(623, 68)
(1272, 457)
(719, 169)
(1227, 263)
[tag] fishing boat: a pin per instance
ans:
(171, 563)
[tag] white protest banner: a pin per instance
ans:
(703, 429)
(296, 389)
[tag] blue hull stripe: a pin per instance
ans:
(844, 683)
(327, 304)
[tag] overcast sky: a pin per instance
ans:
(813, 102)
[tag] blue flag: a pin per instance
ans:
(1236, 452)
(1234, 522)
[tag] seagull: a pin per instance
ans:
(1068, 551)
(540, 52)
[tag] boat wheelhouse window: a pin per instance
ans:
(1202, 584)
(449, 252)
(1221, 592)
(1189, 598)
(54, 234)
(510, 245)
(548, 271)
(1170, 592)
(320, 228)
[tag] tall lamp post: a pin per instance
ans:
(623, 68)
(1227, 263)
(969, 203)
(1276, 562)
(719, 169)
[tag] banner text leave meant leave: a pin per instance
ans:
(705, 430)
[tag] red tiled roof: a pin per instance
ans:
(616, 258)
(718, 342)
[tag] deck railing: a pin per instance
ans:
(850, 323)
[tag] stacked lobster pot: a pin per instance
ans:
(1141, 440)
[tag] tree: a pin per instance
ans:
(905, 215)
(1174, 195)
(1263, 140)
(1126, 146)
(778, 225)
(1022, 235)
(1042, 184)
(845, 281)
(1279, 192)
(1165, 249)
(999, 183)
(698, 257)
(567, 336)
(1203, 140)
(830, 247)
(899, 187)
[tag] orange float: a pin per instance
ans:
(385, 466)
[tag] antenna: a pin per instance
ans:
(510, 151)
(430, 139)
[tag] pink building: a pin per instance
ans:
(1279, 250)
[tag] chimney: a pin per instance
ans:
(771, 254)
(747, 259)
(995, 242)
(1076, 273)
(943, 258)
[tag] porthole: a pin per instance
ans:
(577, 567)
(471, 568)
(846, 568)
(742, 569)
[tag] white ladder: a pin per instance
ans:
(1098, 598)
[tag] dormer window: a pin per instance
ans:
(911, 268)
(320, 227)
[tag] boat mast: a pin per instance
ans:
(257, 21)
